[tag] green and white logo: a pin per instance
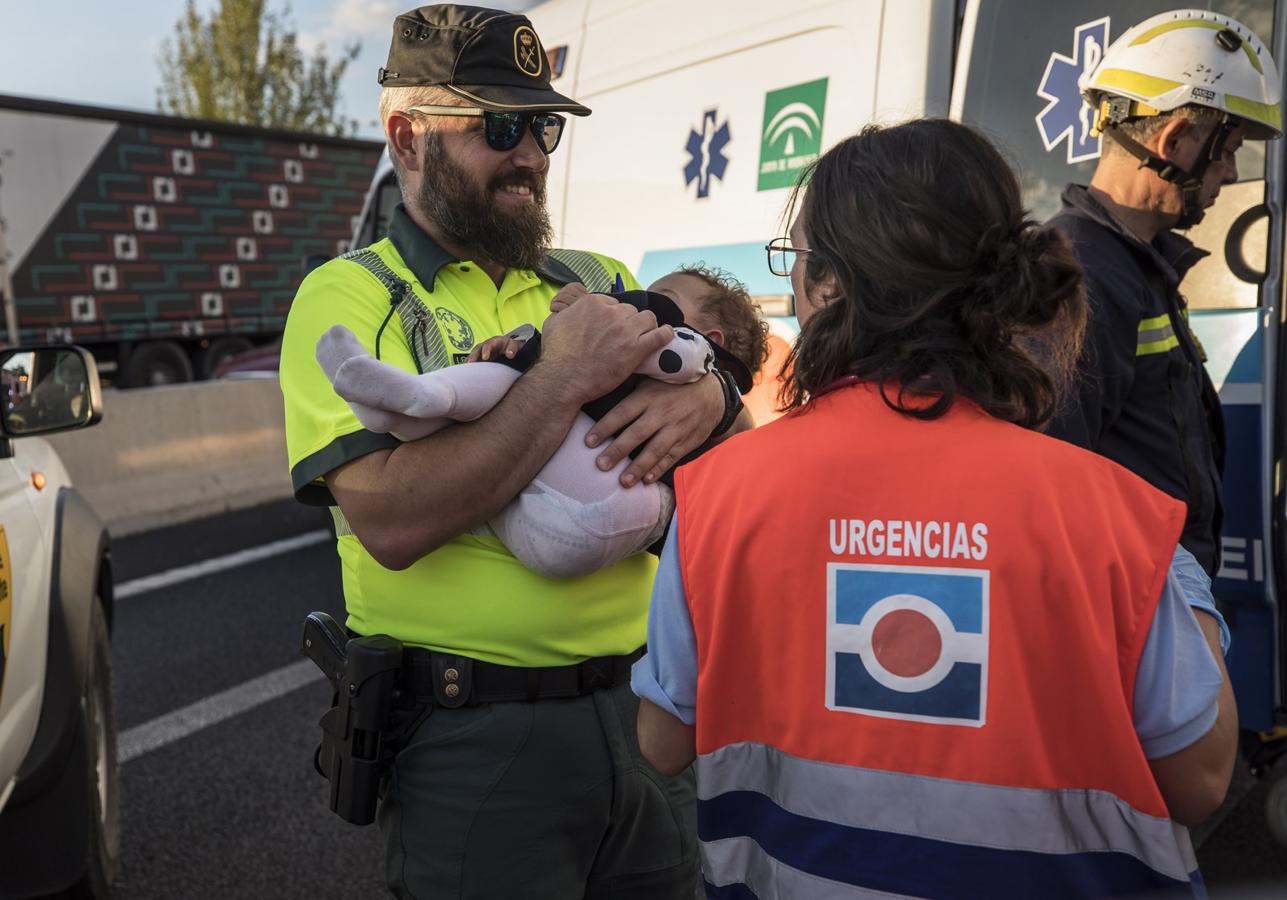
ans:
(792, 134)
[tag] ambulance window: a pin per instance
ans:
(1001, 97)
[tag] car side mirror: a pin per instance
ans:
(48, 389)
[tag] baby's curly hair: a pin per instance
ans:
(729, 303)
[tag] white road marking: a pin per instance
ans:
(214, 709)
(219, 564)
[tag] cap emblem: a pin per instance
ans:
(527, 52)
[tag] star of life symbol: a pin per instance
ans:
(706, 157)
(1067, 116)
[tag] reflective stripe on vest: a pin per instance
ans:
(758, 806)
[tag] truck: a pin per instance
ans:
(163, 244)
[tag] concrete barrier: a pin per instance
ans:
(170, 454)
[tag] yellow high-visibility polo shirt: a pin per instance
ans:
(470, 596)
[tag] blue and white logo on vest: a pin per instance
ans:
(908, 642)
(1067, 116)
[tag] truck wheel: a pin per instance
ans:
(219, 350)
(156, 363)
(98, 710)
(1276, 810)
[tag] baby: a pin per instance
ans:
(572, 518)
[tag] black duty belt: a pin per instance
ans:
(452, 681)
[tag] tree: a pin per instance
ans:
(243, 64)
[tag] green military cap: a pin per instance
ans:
(489, 57)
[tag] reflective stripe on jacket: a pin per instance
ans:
(917, 645)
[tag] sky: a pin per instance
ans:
(104, 54)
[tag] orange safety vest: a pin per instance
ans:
(916, 647)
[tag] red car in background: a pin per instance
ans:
(257, 362)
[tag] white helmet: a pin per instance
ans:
(1187, 56)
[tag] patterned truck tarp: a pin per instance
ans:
(179, 232)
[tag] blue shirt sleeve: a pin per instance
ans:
(667, 674)
(1178, 683)
(1196, 585)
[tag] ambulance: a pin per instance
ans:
(705, 114)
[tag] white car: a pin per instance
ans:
(59, 813)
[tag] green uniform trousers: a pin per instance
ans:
(548, 800)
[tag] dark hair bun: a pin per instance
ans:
(1027, 274)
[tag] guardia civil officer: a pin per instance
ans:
(524, 778)
(1174, 97)
(933, 652)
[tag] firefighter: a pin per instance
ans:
(1175, 98)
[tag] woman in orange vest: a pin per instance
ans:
(915, 646)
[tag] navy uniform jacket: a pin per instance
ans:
(1145, 400)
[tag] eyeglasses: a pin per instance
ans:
(505, 130)
(780, 258)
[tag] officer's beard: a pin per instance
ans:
(470, 217)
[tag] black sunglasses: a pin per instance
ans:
(505, 130)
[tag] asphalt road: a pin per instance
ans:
(219, 798)
(234, 809)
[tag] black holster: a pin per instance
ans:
(355, 752)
